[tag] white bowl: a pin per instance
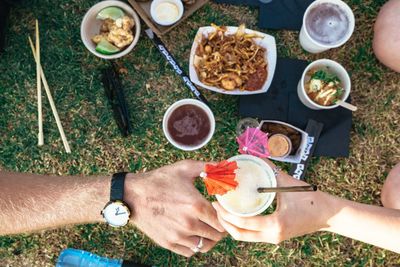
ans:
(333, 67)
(269, 174)
(189, 102)
(90, 27)
(267, 42)
(154, 4)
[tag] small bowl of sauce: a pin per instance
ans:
(166, 12)
(188, 124)
(279, 145)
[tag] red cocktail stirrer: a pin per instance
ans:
(220, 178)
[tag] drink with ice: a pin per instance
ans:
(251, 174)
(326, 24)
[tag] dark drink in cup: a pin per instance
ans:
(188, 124)
(326, 24)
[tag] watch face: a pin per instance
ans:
(116, 214)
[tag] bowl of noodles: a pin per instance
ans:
(232, 60)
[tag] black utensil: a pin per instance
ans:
(116, 97)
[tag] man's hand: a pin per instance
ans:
(296, 214)
(170, 210)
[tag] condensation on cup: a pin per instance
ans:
(326, 24)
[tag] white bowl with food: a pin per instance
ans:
(110, 29)
(245, 64)
(323, 83)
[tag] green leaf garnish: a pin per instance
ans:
(339, 92)
(325, 76)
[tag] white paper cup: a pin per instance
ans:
(180, 103)
(314, 46)
(90, 27)
(331, 66)
(265, 174)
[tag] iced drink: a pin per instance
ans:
(326, 24)
(251, 174)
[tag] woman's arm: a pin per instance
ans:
(374, 225)
(307, 212)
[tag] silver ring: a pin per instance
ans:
(276, 171)
(199, 246)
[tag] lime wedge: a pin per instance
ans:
(106, 48)
(111, 12)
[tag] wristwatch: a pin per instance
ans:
(116, 212)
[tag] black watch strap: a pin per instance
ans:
(117, 186)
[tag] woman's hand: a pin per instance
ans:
(297, 213)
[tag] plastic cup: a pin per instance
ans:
(245, 201)
(313, 46)
(331, 66)
(178, 104)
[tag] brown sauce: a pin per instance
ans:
(256, 80)
(189, 125)
(279, 145)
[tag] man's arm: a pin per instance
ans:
(32, 202)
(307, 212)
(166, 206)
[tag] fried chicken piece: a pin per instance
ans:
(117, 32)
(97, 38)
(231, 82)
(127, 23)
(228, 84)
(120, 37)
(107, 25)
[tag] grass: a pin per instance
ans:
(151, 86)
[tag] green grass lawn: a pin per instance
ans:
(151, 86)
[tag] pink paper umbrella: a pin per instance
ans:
(253, 142)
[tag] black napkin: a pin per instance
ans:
(282, 103)
(276, 14)
(283, 14)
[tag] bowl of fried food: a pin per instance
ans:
(232, 60)
(110, 29)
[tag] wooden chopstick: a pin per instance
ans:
(39, 87)
(305, 188)
(51, 101)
